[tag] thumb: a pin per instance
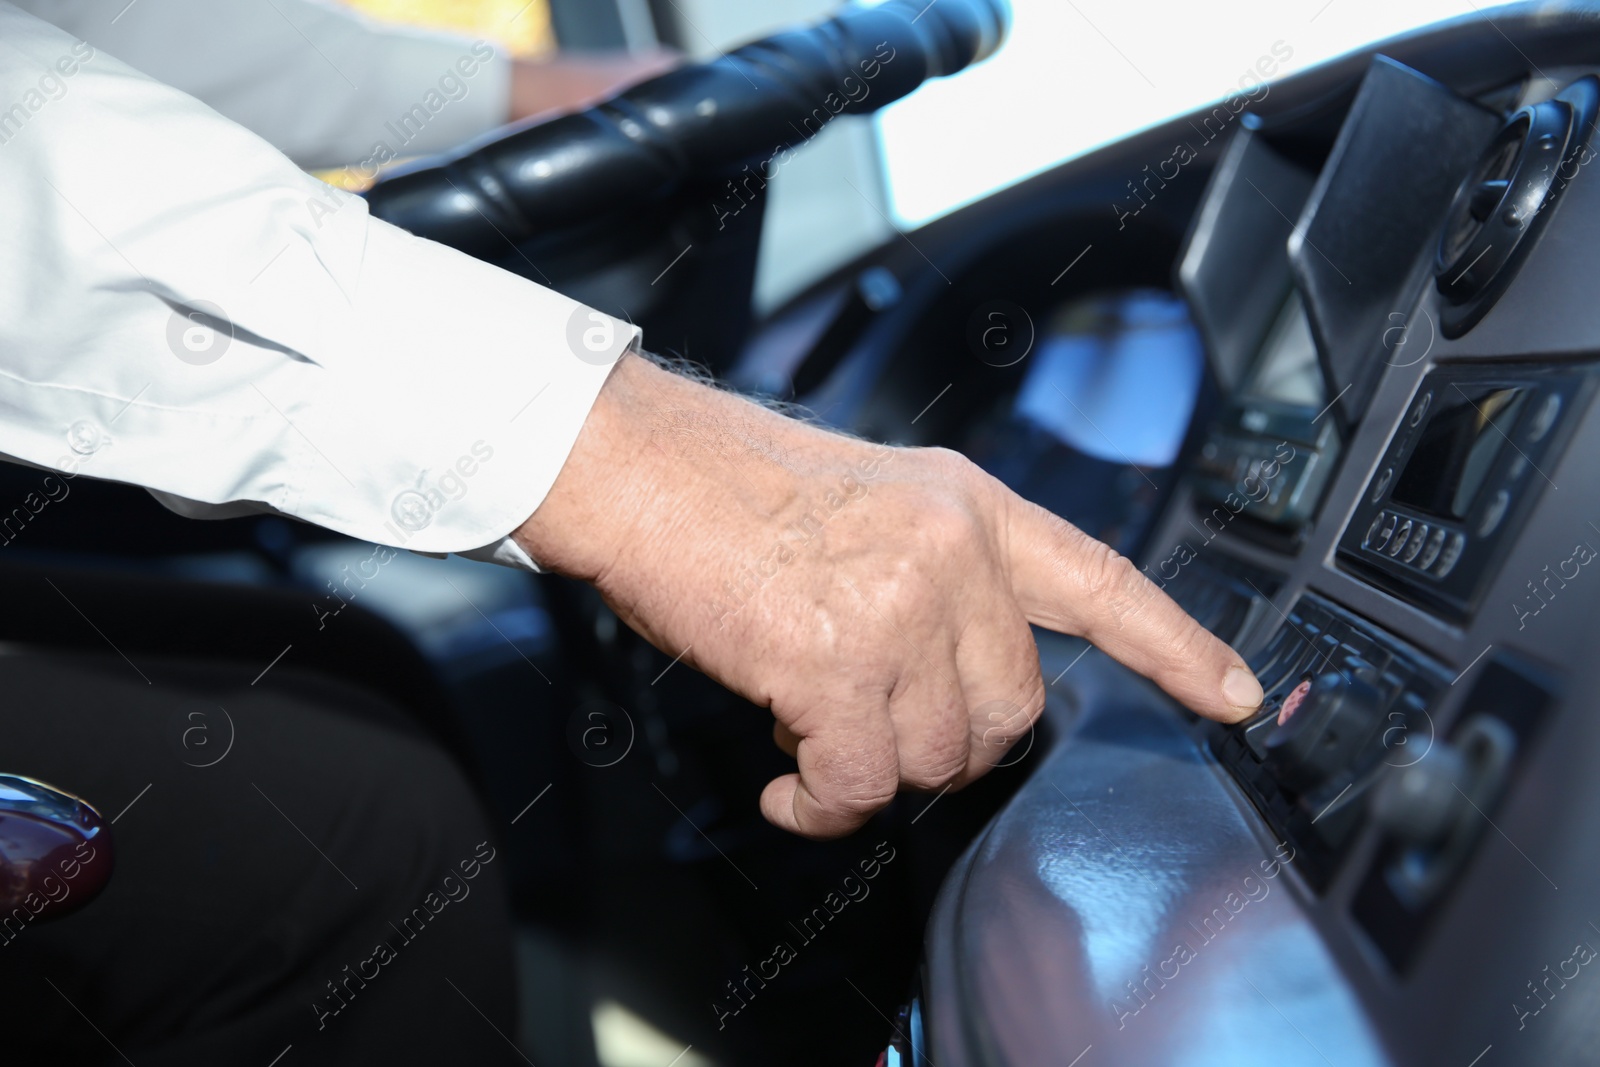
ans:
(847, 773)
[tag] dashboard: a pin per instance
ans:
(1369, 336)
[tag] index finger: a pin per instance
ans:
(1069, 582)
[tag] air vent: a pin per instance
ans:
(1502, 204)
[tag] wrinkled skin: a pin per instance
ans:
(877, 600)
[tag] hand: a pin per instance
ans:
(568, 82)
(876, 599)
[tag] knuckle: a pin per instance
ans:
(1003, 721)
(948, 458)
(979, 488)
(857, 805)
(944, 523)
(1190, 642)
(857, 784)
(1107, 575)
(997, 741)
(1006, 724)
(937, 769)
(968, 481)
(1013, 739)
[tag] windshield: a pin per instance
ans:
(1078, 74)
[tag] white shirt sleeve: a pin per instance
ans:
(325, 84)
(182, 308)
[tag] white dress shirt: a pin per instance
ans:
(183, 308)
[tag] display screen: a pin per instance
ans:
(1458, 449)
(1287, 370)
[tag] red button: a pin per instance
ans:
(1292, 702)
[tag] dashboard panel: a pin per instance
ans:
(1408, 697)
(1386, 499)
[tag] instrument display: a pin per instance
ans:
(1457, 450)
(1272, 435)
(1286, 370)
(1458, 479)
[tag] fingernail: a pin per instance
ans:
(1240, 689)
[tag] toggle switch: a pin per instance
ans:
(1321, 729)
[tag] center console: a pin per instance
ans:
(1409, 440)
(1367, 755)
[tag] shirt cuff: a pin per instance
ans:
(457, 401)
(505, 552)
(433, 405)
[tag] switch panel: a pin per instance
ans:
(1344, 703)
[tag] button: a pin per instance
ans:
(1494, 512)
(1292, 702)
(1337, 717)
(411, 510)
(1423, 403)
(1544, 418)
(1431, 552)
(1451, 554)
(1381, 483)
(1380, 531)
(1419, 537)
(1518, 468)
(85, 438)
(1400, 537)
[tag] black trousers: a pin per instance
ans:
(302, 876)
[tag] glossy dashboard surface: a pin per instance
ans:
(1125, 902)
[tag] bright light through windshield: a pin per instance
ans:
(1077, 74)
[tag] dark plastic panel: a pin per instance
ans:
(1370, 227)
(1235, 265)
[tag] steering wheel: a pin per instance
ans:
(761, 100)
